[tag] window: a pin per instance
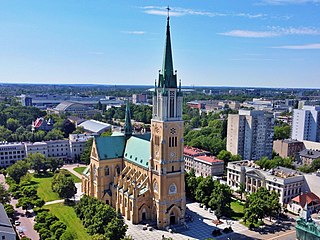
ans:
(172, 189)
(107, 171)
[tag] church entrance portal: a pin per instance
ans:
(144, 216)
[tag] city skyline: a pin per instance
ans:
(261, 43)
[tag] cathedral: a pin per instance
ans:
(142, 175)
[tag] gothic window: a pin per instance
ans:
(155, 186)
(172, 189)
(173, 131)
(118, 169)
(94, 172)
(157, 140)
(107, 171)
(171, 104)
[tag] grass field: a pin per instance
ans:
(79, 169)
(67, 215)
(75, 178)
(237, 209)
(44, 187)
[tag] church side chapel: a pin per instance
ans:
(142, 175)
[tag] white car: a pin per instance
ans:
(17, 223)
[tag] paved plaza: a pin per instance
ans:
(200, 228)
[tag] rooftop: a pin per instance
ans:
(191, 151)
(5, 225)
(209, 159)
(94, 126)
(280, 172)
(310, 153)
(306, 198)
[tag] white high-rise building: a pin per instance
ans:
(250, 134)
(306, 124)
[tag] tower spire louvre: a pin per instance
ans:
(127, 125)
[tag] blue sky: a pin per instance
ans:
(272, 43)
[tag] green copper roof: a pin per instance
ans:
(167, 78)
(110, 147)
(138, 151)
(127, 124)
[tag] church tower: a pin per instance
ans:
(167, 163)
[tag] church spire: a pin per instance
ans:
(127, 124)
(167, 78)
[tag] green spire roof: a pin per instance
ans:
(127, 124)
(167, 78)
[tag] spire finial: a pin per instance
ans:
(168, 8)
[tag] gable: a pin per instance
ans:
(110, 147)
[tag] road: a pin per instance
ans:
(26, 223)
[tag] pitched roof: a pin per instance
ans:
(306, 198)
(192, 151)
(209, 159)
(110, 147)
(5, 225)
(138, 151)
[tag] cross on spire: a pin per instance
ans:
(168, 8)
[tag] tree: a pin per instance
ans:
(38, 162)
(85, 156)
(54, 134)
(315, 165)
(220, 198)
(12, 124)
(63, 185)
(9, 210)
(191, 184)
(55, 163)
(204, 190)
(116, 229)
(4, 195)
(17, 170)
(282, 131)
(5, 134)
(68, 127)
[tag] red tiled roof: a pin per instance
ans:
(191, 151)
(306, 198)
(210, 159)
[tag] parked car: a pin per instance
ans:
(17, 223)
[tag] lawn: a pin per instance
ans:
(79, 169)
(75, 178)
(237, 210)
(44, 187)
(67, 215)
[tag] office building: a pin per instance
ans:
(10, 153)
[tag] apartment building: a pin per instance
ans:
(287, 182)
(250, 134)
(306, 124)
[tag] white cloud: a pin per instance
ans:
(248, 34)
(134, 32)
(285, 2)
(273, 32)
(301, 47)
(96, 53)
(177, 12)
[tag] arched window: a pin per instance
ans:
(107, 171)
(172, 169)
(155, 186)
(94, 171)
(118, 169)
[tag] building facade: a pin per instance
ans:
(142, 176)
(10, 153)
(287, 182)
(288, 147)
(250, 134)
(202, 162)
(306, 124)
